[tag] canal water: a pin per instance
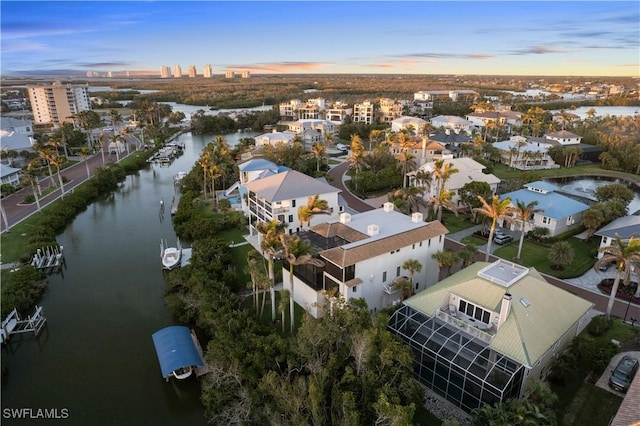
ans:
(95, 359)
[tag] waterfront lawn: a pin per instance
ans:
(535, 255)
(234, 236)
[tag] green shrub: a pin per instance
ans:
(599, 325)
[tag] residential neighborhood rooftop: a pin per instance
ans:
(289, 185)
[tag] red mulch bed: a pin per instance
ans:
(625, 292)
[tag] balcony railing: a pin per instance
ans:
(463, 324)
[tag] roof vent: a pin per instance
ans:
(345, 217)
(525, 302)
(416, 217)
(388, 207)
(373, 230)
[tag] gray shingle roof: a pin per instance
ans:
(289, 185)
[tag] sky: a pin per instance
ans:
(572, 38)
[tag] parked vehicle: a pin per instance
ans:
(622, 376)
(606, 266)
(342, 147)
(502, 239)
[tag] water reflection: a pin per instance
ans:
(95, 356)
(587, 187)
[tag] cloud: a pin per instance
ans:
(115, 64)
(475, 56)
(398, 64)
(536, 50)
(280, 67)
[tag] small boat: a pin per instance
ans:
(179, 176)
(171, 256)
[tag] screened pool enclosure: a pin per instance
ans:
(457, 365)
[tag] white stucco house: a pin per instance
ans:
(558, 214)
(274, 138)
(312, 131)
(469, 170)
(520, 153)
(416, 124)
(363, 256)
(10, 175)
(452, 122)
(278, 196)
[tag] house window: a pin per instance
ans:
(398, 271)
(293, 203)
(413, 247)
(290, 218)
(384, 277)
(475, 312)
(440, 239)
(570, 220)
(429, 242)
(355, 288)
(546, 220)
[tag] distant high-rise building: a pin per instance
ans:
(246, 74)
(165, 72)
(110, 74)
(229, 74)
(192, 71)
(208, 71)
(177, 71)
(56, 104)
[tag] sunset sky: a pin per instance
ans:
(418, 37)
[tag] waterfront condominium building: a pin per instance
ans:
(208, 71)
(229, 74)
(177, 71)
(246, 74)
(363, 112)
(192, 71)
(55, 104)
(165, 71)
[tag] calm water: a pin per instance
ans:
(588, 185)
(95, 357)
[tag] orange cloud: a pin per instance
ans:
(280, 67)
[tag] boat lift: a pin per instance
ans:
(49, 259)
(13, 324)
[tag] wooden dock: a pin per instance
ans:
(49, 259)
(200, 371)
(13, 324)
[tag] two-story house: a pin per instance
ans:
(520, 153)
(278, 196)
(480, 334)
(558, 213)
(626, 228)
(452, 122)
(273, 138)
(363, 255)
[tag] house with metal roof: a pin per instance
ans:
(558, 213)
(625, 227)
(278, 197)
(10, 175)
(407, 122)
(274, 138)
(363, 255)
(480, 334)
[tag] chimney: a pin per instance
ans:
(345, 218)
(373, 230)
(505, 308)
(416, 217)
(388, 207)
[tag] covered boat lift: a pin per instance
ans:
(178, 352)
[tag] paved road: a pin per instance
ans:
(337, 174)
(14, 212)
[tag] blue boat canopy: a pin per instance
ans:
(175, 349)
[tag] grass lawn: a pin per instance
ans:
(456, 223)
(481, 243)
(234, 235)
(535, 254)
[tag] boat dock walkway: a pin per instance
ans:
(13, 324)
(200, 371)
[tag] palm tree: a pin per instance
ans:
(468, 254)
(270, 245)
(405, 287)
(314, 206)
(412, 266)
(205, 162)
(443, 200)
(318, 151)
(407, 162)
(84, 153)
(357, 156)
(561, 254)
(446, 259)
(285, 299)
(442, 172)
(101, 143)
(408, 199)
(214, 173)
(495, 211)
(32, 180)
(43, 153)
(297, 252)
(627, 256)
(524, 214)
